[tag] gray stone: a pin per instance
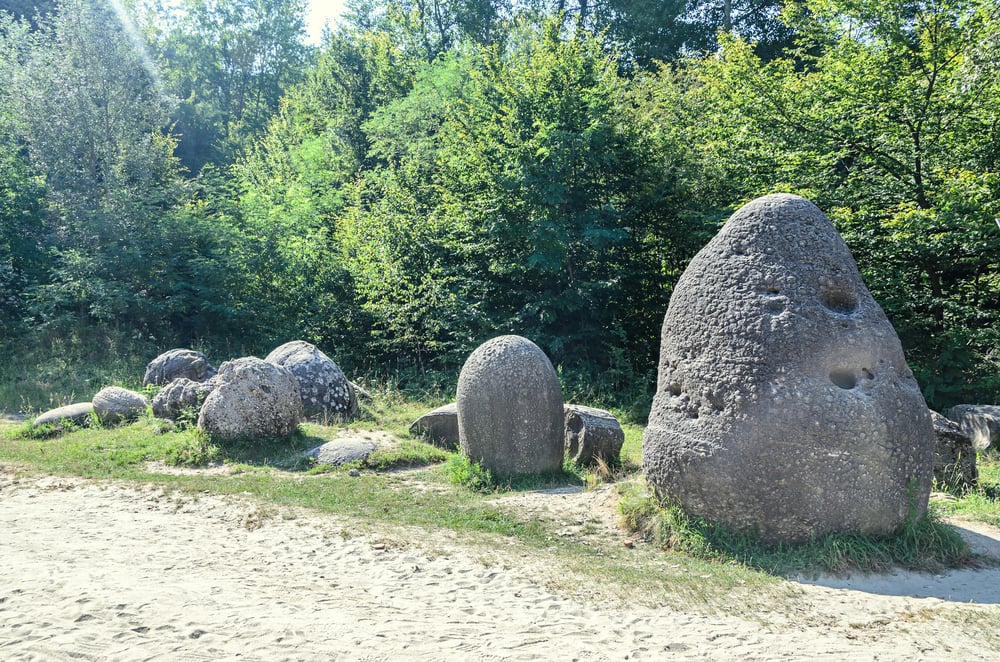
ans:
(182, 398)
(592, 434)
(784, 403)
(323, 387)
(253, 399)
(342, 451)
(114, 405)
(440, 426)
(510, 408)
(954, 455)
(77, 414)
(981, 423)
(175, 364)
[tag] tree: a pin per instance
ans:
(123, 253)
(229, 62)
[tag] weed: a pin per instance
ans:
(460, 470)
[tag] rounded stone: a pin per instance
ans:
(323, 387)
(177, 363)
(114, 405)
(182, 397)
(253, 399)
(784, 403)
(510, 408)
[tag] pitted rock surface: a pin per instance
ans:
(182, 397)
(784, 403)
(439, 425)
(78, 414)
(981, 423)
(510, 408)
(175, 364)
(592, 434)
(114, 405)
(954, 455)
(254, 399)
(324, 389)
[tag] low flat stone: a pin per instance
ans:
(440, 426)
(78, 414)
(342, 451)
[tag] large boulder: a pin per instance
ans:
(784, 404)
(177, 363)
(439, 425)
(592, 435)
(510, 408)
(182, 398)
(253, 399)
(114, 405)
(324, 389)
(76, 414)
(981, 423)
(954, 455)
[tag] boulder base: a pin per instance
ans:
(784, 404)
(510, 408)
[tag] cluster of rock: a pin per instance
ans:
(247, 398)
(509, 415)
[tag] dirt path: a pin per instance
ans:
(94, 571)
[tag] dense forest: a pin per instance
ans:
(193, 173)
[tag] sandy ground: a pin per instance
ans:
(95, 571)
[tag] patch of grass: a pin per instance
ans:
(982, 502)
(922, 544)
(460, 470)
(66, 371)
(94, 452)
(407, 453)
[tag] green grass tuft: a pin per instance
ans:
(922, 544)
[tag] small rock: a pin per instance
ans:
(114, 405)
(78, 414)
(440, 426)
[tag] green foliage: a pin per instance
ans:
(193, 449)
(228, 62)
(920, 544)
(460, 470)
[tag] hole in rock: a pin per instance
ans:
(839, 301)
(867, 373)
(675, 389)
(843, 378)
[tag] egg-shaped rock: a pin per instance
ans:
(510, 408)
(784, 404)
